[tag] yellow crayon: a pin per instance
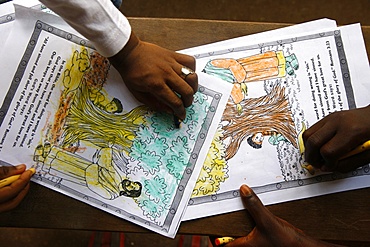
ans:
(223, 240)
(359, 149)
(6, 181)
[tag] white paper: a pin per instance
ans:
(262, 37)
(6, 21)
(56, 117)
(328, 78)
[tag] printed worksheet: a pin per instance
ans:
(66, 111)
(282, 84)
(7, 15)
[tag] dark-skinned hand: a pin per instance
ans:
(153, 75)
(334, 136)
(270, 230)
(11, 195)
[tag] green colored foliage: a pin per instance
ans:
(162, 152)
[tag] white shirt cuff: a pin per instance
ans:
(97, 20)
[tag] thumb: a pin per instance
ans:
(7, 171)
(260, 214)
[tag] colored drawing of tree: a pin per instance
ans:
(162, 152)
(270, 112)
(214, 170)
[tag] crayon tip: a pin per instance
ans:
(33, 170)
(177, 122)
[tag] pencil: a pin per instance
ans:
(223, 240)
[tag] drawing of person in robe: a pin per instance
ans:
(268, 65)
(101, 175)
(112, 134)
(80, 119)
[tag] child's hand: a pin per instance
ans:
(154, 76)
(270, 230)
(334, 136)
(11, 195)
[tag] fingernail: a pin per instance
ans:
(19, 167)
(245, 190)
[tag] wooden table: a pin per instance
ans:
(341, 216)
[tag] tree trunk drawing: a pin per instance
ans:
(270, 112)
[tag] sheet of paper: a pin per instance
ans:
(67, 113)
(6, 21)
(282, 85)
(262, 37)
(7, 16)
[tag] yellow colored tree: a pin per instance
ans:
(214, 170)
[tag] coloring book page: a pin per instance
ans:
(282, 85)
(66, 111)
(7, 15)
(6, 20)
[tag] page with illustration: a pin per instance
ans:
(7, 15)
(66, 111)
(281, 87)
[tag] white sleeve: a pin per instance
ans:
(97, 20)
